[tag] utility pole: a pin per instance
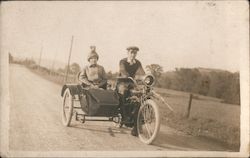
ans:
(72, 39)
(39, 62)
(53, 63)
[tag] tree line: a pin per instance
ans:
(208, 82)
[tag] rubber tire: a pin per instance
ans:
(66, 121)
(157, 124)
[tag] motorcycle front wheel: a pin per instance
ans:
(148, 121)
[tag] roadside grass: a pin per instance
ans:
(202, 107)
(209, 117)
(58, 79)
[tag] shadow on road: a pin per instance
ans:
(169, 140)
(112, 131)
(172, 142)
(185, 142)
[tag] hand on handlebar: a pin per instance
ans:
(94, 86)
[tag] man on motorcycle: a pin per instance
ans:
(93, 75)
(129, 67)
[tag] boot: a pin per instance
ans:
(134, 131)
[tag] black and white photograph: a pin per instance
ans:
(124, 78)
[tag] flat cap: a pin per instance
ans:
(133, 48)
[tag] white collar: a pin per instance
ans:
(131, 62)
(92, 65)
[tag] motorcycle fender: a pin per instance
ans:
(74, 89)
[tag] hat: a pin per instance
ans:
(133, 48)
(93, 53)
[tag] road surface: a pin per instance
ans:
(35, 124)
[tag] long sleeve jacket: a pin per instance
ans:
(130, 70)
(93, 75)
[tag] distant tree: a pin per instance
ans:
(165, 80)
(112, 76)
(155, 70)
(187, 79)
(231, 93)
(115, 75)
(61, 71)
(75, 68)
(109, 75)
(220, 84)
(28, 62)
(44, 69)
(204, 85)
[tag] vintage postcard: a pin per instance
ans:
(124, 78)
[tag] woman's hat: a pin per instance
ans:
(93, 53)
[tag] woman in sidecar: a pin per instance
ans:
(93, 75)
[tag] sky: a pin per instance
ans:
(172, 34)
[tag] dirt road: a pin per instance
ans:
(35, 124)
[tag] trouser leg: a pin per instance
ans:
(135, 111)
(104, 86)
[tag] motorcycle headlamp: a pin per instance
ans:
(149, 80)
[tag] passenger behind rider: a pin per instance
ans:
(129, 67)
(93, 75)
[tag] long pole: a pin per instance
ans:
(40, 57)
(189, 105)
(72, 39)
(53, 63)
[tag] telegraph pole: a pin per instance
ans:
(72, 39)
(39, 62)
(53, 63)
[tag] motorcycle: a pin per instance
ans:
(134, 95)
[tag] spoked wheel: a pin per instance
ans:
(148, 122)
(67, 109)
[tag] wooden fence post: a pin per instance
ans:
(189, 105)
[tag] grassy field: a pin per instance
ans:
(209, 117)
(202, 106)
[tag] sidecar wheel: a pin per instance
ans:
(67, 108)
(148, 122)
